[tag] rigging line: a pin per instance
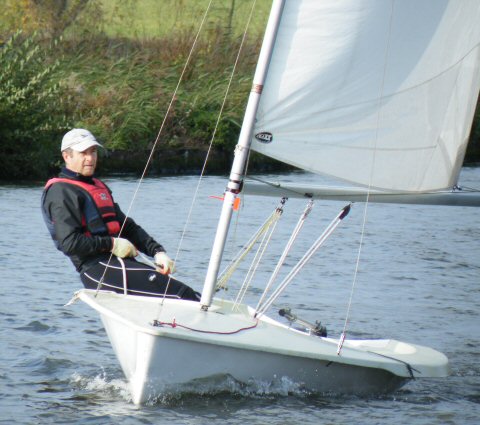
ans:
(174, 324)
(255, 263)
(124, 275)
(409, 367)
(228, 271)
(293, 237)
(465, 189)
(197, 189)
(306, 257)
(301, 263)
(174, 95)
(372, 168)
(280, 187)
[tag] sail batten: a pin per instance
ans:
(380, 94)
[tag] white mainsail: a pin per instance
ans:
(382, 96)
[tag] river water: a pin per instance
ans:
(418, 280)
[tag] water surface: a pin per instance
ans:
(418, 280)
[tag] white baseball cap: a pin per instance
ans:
(79, 140)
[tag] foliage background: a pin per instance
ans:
(111, 66)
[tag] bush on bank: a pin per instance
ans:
(33, 107)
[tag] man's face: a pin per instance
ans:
(83, 163)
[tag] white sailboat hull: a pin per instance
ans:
(221, 342)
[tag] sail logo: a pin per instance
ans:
(264, 137)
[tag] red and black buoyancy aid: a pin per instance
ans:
(99, 217)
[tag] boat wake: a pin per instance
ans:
(103, 387)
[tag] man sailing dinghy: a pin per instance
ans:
(91, 229)
(380, 93)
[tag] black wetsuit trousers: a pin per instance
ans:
(137, 278)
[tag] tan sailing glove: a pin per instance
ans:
(164, 262)
(123, 248)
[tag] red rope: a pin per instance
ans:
(174, 324)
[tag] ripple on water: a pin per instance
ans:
(34, 326)
(46, 366)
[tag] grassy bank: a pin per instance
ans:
(148, 19)
(112, 66)
(116, 67)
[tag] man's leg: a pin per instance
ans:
(138, 278)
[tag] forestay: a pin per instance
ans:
(383, 95)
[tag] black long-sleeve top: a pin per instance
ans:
(64, 205)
